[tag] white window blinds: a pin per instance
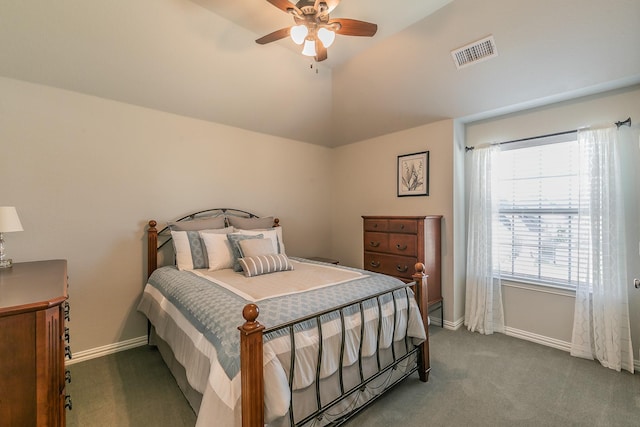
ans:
(537, 228)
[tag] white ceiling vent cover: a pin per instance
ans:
(475, 52)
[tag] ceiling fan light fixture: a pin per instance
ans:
(298, 33)
(313, 29)
(326, 36)
(309, 47)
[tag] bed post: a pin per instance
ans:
(422, 299)
(251, 373)
(152, 247)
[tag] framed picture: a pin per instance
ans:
(413, 174)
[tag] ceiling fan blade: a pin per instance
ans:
(353, 27)
(276, 35)
(321, 52)
(284, 5)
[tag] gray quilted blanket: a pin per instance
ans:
(217, 312)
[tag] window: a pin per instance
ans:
(537, 229)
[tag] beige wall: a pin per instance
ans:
(364, 183)
(86, 174)
(548, 316)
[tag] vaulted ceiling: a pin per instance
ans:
(198, 58)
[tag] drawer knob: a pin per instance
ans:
(374, 264)
(401, 248)
(402, 269)
(374, 244)
(67, 402)
(401, 226)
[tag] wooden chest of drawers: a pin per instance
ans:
(32, 343)
(394, 244)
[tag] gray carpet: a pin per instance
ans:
(476, 380)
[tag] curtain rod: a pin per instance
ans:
(618, 124)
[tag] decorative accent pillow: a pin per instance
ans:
(250, 223)
(256, 247)
(264, 264)
(198, 224)
(234, 239)
(219, 252)
(275, 234)
(190, 251)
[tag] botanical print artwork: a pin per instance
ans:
(413, 177)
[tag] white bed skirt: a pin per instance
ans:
(305, 401)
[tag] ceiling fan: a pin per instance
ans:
(314, 28)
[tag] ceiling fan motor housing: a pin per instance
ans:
(308, 7)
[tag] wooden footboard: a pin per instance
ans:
(251, 353)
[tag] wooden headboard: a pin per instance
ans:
(156, 240)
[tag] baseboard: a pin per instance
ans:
(550, 342)
(539, 339)
(435, 321)
(454, 326)
(93, 353)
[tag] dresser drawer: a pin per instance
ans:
(374, 224)
(392, 265)
(376, 242)
(403, 226)
(402, 244)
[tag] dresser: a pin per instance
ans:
(394, 244)
(33, 343)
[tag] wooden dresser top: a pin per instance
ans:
(29, 286)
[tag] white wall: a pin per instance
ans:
(364, 183)
(548, 316)
(86, 174)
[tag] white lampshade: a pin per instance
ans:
(298, 33)
(326, 36)
(9, 220)
(309, 47)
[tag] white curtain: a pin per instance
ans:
(601, 318)
(483, 309)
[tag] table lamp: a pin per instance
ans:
(9, 222)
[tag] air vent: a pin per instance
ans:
(475, 52)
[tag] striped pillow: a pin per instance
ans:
(263, 264)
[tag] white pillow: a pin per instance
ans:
(219, 252)
(189, 249)
(275, 234)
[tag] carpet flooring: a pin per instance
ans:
(475, 380)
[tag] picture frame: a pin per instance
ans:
(413, 174)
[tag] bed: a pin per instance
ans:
(279, 341)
